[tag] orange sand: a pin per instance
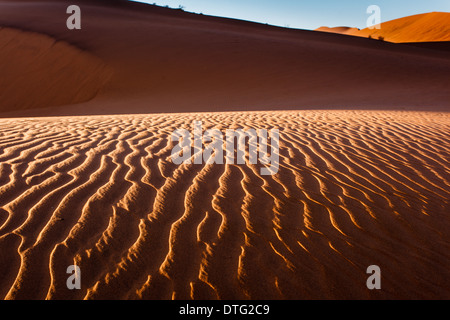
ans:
(425, 27)
(93, 185)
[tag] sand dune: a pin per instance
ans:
(165, 60)
(425, 27)
(39, 71)
(340, 30)
(355, 188)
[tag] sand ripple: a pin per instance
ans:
(354, 189)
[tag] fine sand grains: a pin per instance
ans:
(354, 189)
(39, 71)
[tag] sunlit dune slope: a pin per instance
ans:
(426, 27)
(341, 30)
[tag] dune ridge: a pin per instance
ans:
(355, 188)
(425, 27)
(165, 60)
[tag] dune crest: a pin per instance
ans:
(166, 60)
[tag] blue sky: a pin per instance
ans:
(307, 14)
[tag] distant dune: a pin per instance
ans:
(340, 30)
(39, 71)
(86, 176)
(426, 27)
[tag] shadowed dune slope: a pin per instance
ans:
(354, 189)
(165, 60)
(340, 30)
(426, 27)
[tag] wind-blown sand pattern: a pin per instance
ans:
(354, 189)
(425, 27)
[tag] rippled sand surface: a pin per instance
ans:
(354, 189)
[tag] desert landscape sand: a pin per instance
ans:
(355, 188)
(425, 27)
(86, 176)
